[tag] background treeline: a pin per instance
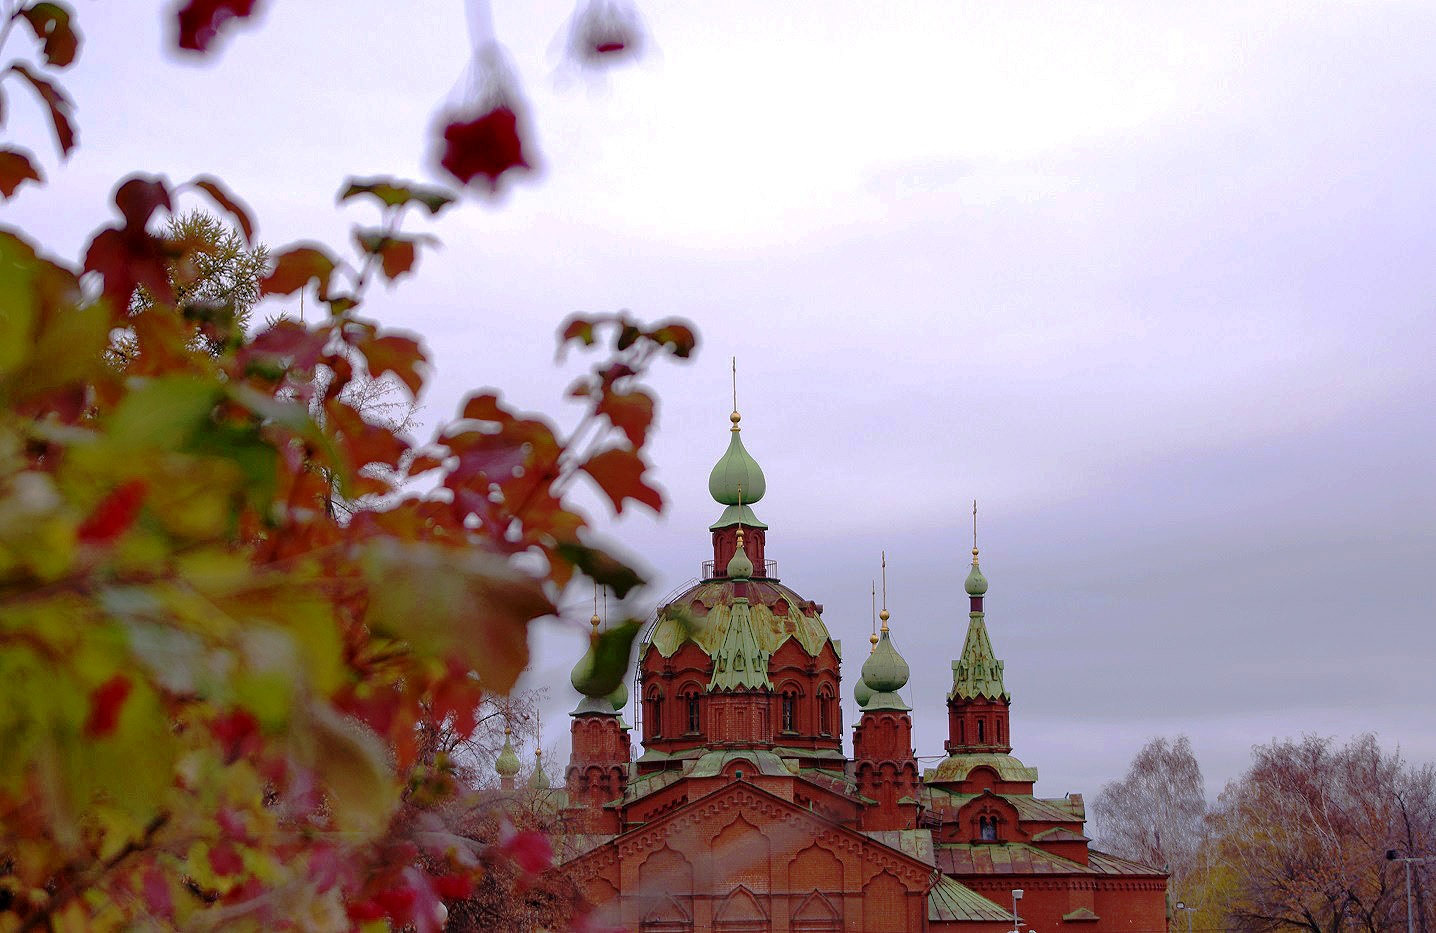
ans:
(1300, 841)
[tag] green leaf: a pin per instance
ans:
(51, 23)
(608, 660)
(391, 193)
(601, 567)
(19, 264)
(163, 413)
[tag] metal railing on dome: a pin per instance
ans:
(770, 570)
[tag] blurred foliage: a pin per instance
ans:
(223, 702)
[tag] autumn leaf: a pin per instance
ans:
(297, 267)
(630, 412)
(391, 193)
(59, 42)
(115, 513)
(401, 356)
(619, 473)
(16, 169)
(106, 701)
(200, 21)
(530, 850)
(61, 108)
(676, 337)
(576, 328)
(231, 204)
(487, 147)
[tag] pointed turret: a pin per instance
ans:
(737, 482)
(884, 766)
(538, 780)
(507, 764)
(978, 702)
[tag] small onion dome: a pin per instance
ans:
(862, 693)
(737, 475)
(885, 671)
(507, 764)
(740, 567)
(976, 583)
(619, 697)
(539, 779)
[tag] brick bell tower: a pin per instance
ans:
(977, 707)
(597, 772)
(883, 760)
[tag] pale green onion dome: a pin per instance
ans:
(539, 779)
(862, 693)
(885, 671)
(740, 567)
(507, 764)
(976, 584)
(737, 475)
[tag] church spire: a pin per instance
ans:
(978, 704)
(885, 672)
(736, 477)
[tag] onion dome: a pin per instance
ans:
(539, 779)
(976, 584)
(507, 764)
(736, 478)
(619, 697)
(885, 673)
(862, 693)
(740, 567)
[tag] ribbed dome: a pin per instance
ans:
(701, 614)
(885, 671)
(735, 469)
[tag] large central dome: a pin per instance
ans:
(702, 612)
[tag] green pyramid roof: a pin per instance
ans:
(739, 662)
(977, 673)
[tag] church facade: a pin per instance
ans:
(743, 812)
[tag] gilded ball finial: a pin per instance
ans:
(735, 417)
(595, 622)
(873, 638)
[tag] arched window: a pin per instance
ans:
(655, 714)
(961, 732)
(999, 731)
(694, 721)
(987, 827)
(825, 712)
(980, 739)
(790, 706)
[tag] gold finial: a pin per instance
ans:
(884, 614)
(974, 532)
(595, 620)
(874, 637)
(735, 417)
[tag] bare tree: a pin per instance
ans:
(1156, 814)
(1300, 840)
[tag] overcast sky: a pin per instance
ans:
(1152, 281)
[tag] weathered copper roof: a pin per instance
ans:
(951, 900)
(776, 614)
(957, 768)
(914, 842)
(1109, 864)
(1013, 858)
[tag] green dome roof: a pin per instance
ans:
(976, 583)
(862, 692)
(740, 567)
(539, 779)
(702, 613)
(507, 764)
(619, 697)
(734, 469)
(885, 671)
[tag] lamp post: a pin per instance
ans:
(1016, 896)
(1391, 856)
(1182, 906)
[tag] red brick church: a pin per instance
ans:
(743, 813)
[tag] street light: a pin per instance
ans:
(1016, 896)
(1182, 906)
(1391, 856)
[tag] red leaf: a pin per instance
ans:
(530, 850)
(676, 337)
(16, 169)
(157, 893)
(51, 23)
(487, 146)
(237, 732)
(424, 463)
(115, 513)
(61, 109)
(106, 701)
(138, 197)
(401, 356)
(630, 412)
(221, 196)
(577, 328)
(297, 267)
(200, 21)
(225, 860)
(619, 473)
(127, 258)
(454, 887)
